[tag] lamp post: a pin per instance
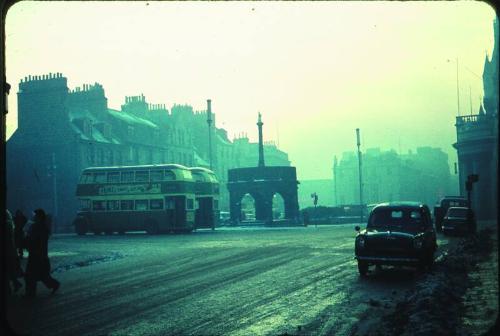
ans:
(360, 177)
(53, 170)
(209, 122)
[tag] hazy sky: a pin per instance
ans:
(315, 70)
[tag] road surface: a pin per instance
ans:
(231, 281)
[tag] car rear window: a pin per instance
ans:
(459, 213)
(395, 217)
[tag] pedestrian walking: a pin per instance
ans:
(19, 224)
(13, 266)
(38, 266)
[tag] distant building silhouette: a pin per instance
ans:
(477, 142)
(76, 129)
(387, 176)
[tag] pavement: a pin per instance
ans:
(231, 281)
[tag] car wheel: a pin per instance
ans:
(362, 268)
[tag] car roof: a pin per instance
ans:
(400, 204)
(460, 208)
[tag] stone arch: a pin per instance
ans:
(263, 183)
(278, 206)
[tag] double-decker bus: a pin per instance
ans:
(155, 198)
(207, 198)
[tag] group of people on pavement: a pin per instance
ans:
(32, 235)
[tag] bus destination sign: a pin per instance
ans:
(154, 188)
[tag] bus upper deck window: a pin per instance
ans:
(156, 175)
(127, 177)
(99, 177)
(142, 176)
(198, 177)
(114, 177)
(169, 175)
(86, 178)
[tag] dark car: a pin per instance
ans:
(397, 233)
(442, 207)
(459, 220)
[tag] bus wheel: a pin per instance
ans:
(121, 232)
(80, 226)
(97, 232)
(108, 233)
(152, 227)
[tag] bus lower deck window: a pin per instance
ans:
(141, 204)
(99, 205)
(156, 204)
(84, 204)
(113, 205)
(127, 205)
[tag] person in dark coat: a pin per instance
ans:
(19, 223)
(13, 266)
(38, 266)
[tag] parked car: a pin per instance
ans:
(224, 218)
(459, 220)
(442, 207)
(397, 233)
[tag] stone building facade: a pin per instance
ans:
(62, 131)
(477, 142)
(387, 176)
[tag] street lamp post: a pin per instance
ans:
(54, 186)
(209, 122)
(360, 177)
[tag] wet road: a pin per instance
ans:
(229, 281)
